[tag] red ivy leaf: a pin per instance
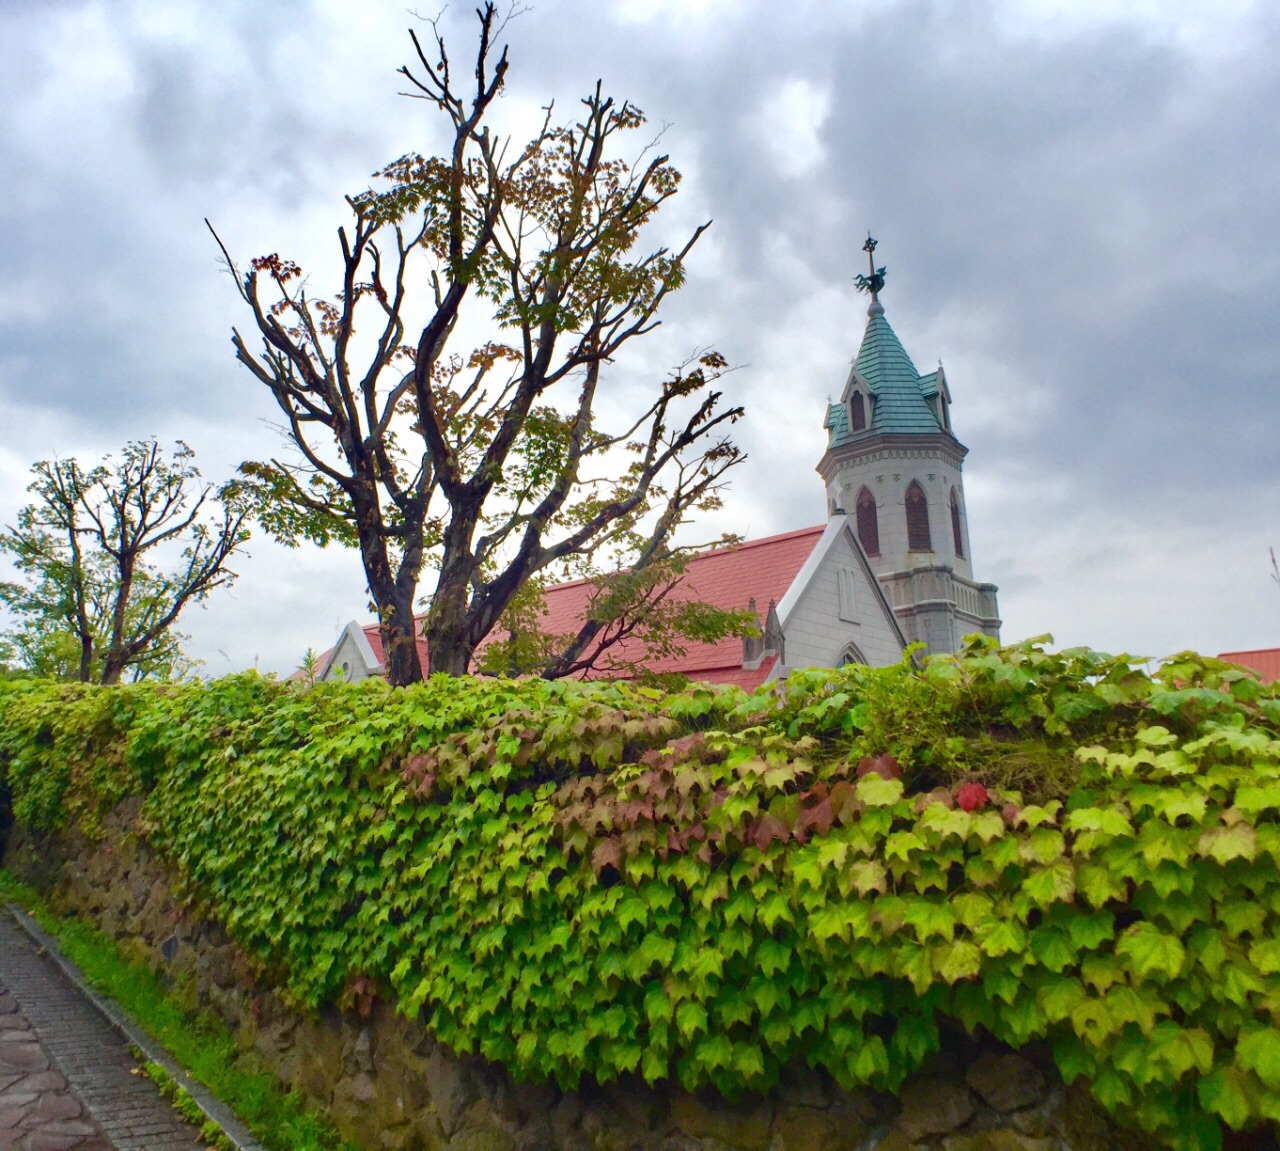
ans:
(768, 828)
(886, 765)
(972, 796)
(819, 816)
(607, 853)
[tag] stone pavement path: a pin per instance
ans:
(38, 1108)
(66, 1077)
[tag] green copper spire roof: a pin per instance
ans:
(901, 395)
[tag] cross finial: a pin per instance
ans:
(873, 282)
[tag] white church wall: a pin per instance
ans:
(348, 663)
(816, 633)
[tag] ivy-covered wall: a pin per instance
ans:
(586, 883)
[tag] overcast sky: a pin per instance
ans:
(1076, 203)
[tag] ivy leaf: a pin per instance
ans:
(1088, 931)
(1093, 1022)
(1100, 885)
(1265, 956)
(867, 875)
(1172, 805)
(1051, 884)
(714, 1052)
(1241, 918)
(1252, 800)
(1059, 996)
(876, 791)
(870, 1063)
(748, 1062)
(1052, 948)
(691, 1018)
(1182, 1048)
(631, 910)
(1108, 821)
(773, 956)
(1258, 1050)
(1227, 843)
(956, 961)
(654, 1065)
(929, 918)
(998, 937)
(1223, 1094)
(1150, 952)
(914, 963)
(1112, 1090)
(658, 1008)
(1072, 1058)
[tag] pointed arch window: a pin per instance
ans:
(868, 523)
(858, 412)
(852, 654)
(956, 537)
(917, 519)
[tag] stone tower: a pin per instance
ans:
(894, 465)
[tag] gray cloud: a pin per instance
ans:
(1079, 219)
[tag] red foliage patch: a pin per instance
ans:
(885, 765)
(972, 796)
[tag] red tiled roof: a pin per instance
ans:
(728, 578)
(1264, 660)
(374, 636)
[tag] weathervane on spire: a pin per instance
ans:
(873, 283)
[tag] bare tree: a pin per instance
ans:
(93, 604)
(489, 463)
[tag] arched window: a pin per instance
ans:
(917, 519)
(858, 412)
(852, 654)
(868, 523)
(956, 537)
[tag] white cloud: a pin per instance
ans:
(788, 122)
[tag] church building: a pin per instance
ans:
(890, 566)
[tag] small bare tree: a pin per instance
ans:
(93, 604)
(488, 463)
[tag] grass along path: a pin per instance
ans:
(199, 1041)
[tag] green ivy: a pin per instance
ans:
(598, 879)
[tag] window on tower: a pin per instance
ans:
(868, 523)
(956, 537)
(917, 519)
(858, 412)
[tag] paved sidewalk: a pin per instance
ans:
(68, 1037)
(38, 1108)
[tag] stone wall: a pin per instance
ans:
(388, 1085)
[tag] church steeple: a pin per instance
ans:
(894, 397)
(894, 465)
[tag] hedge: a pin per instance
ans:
(601, 879)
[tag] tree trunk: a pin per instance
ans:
(112, 667)
(449, 646)
(399, 643)
(394, 604)
(448, 649)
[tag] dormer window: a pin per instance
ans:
(857, 412)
